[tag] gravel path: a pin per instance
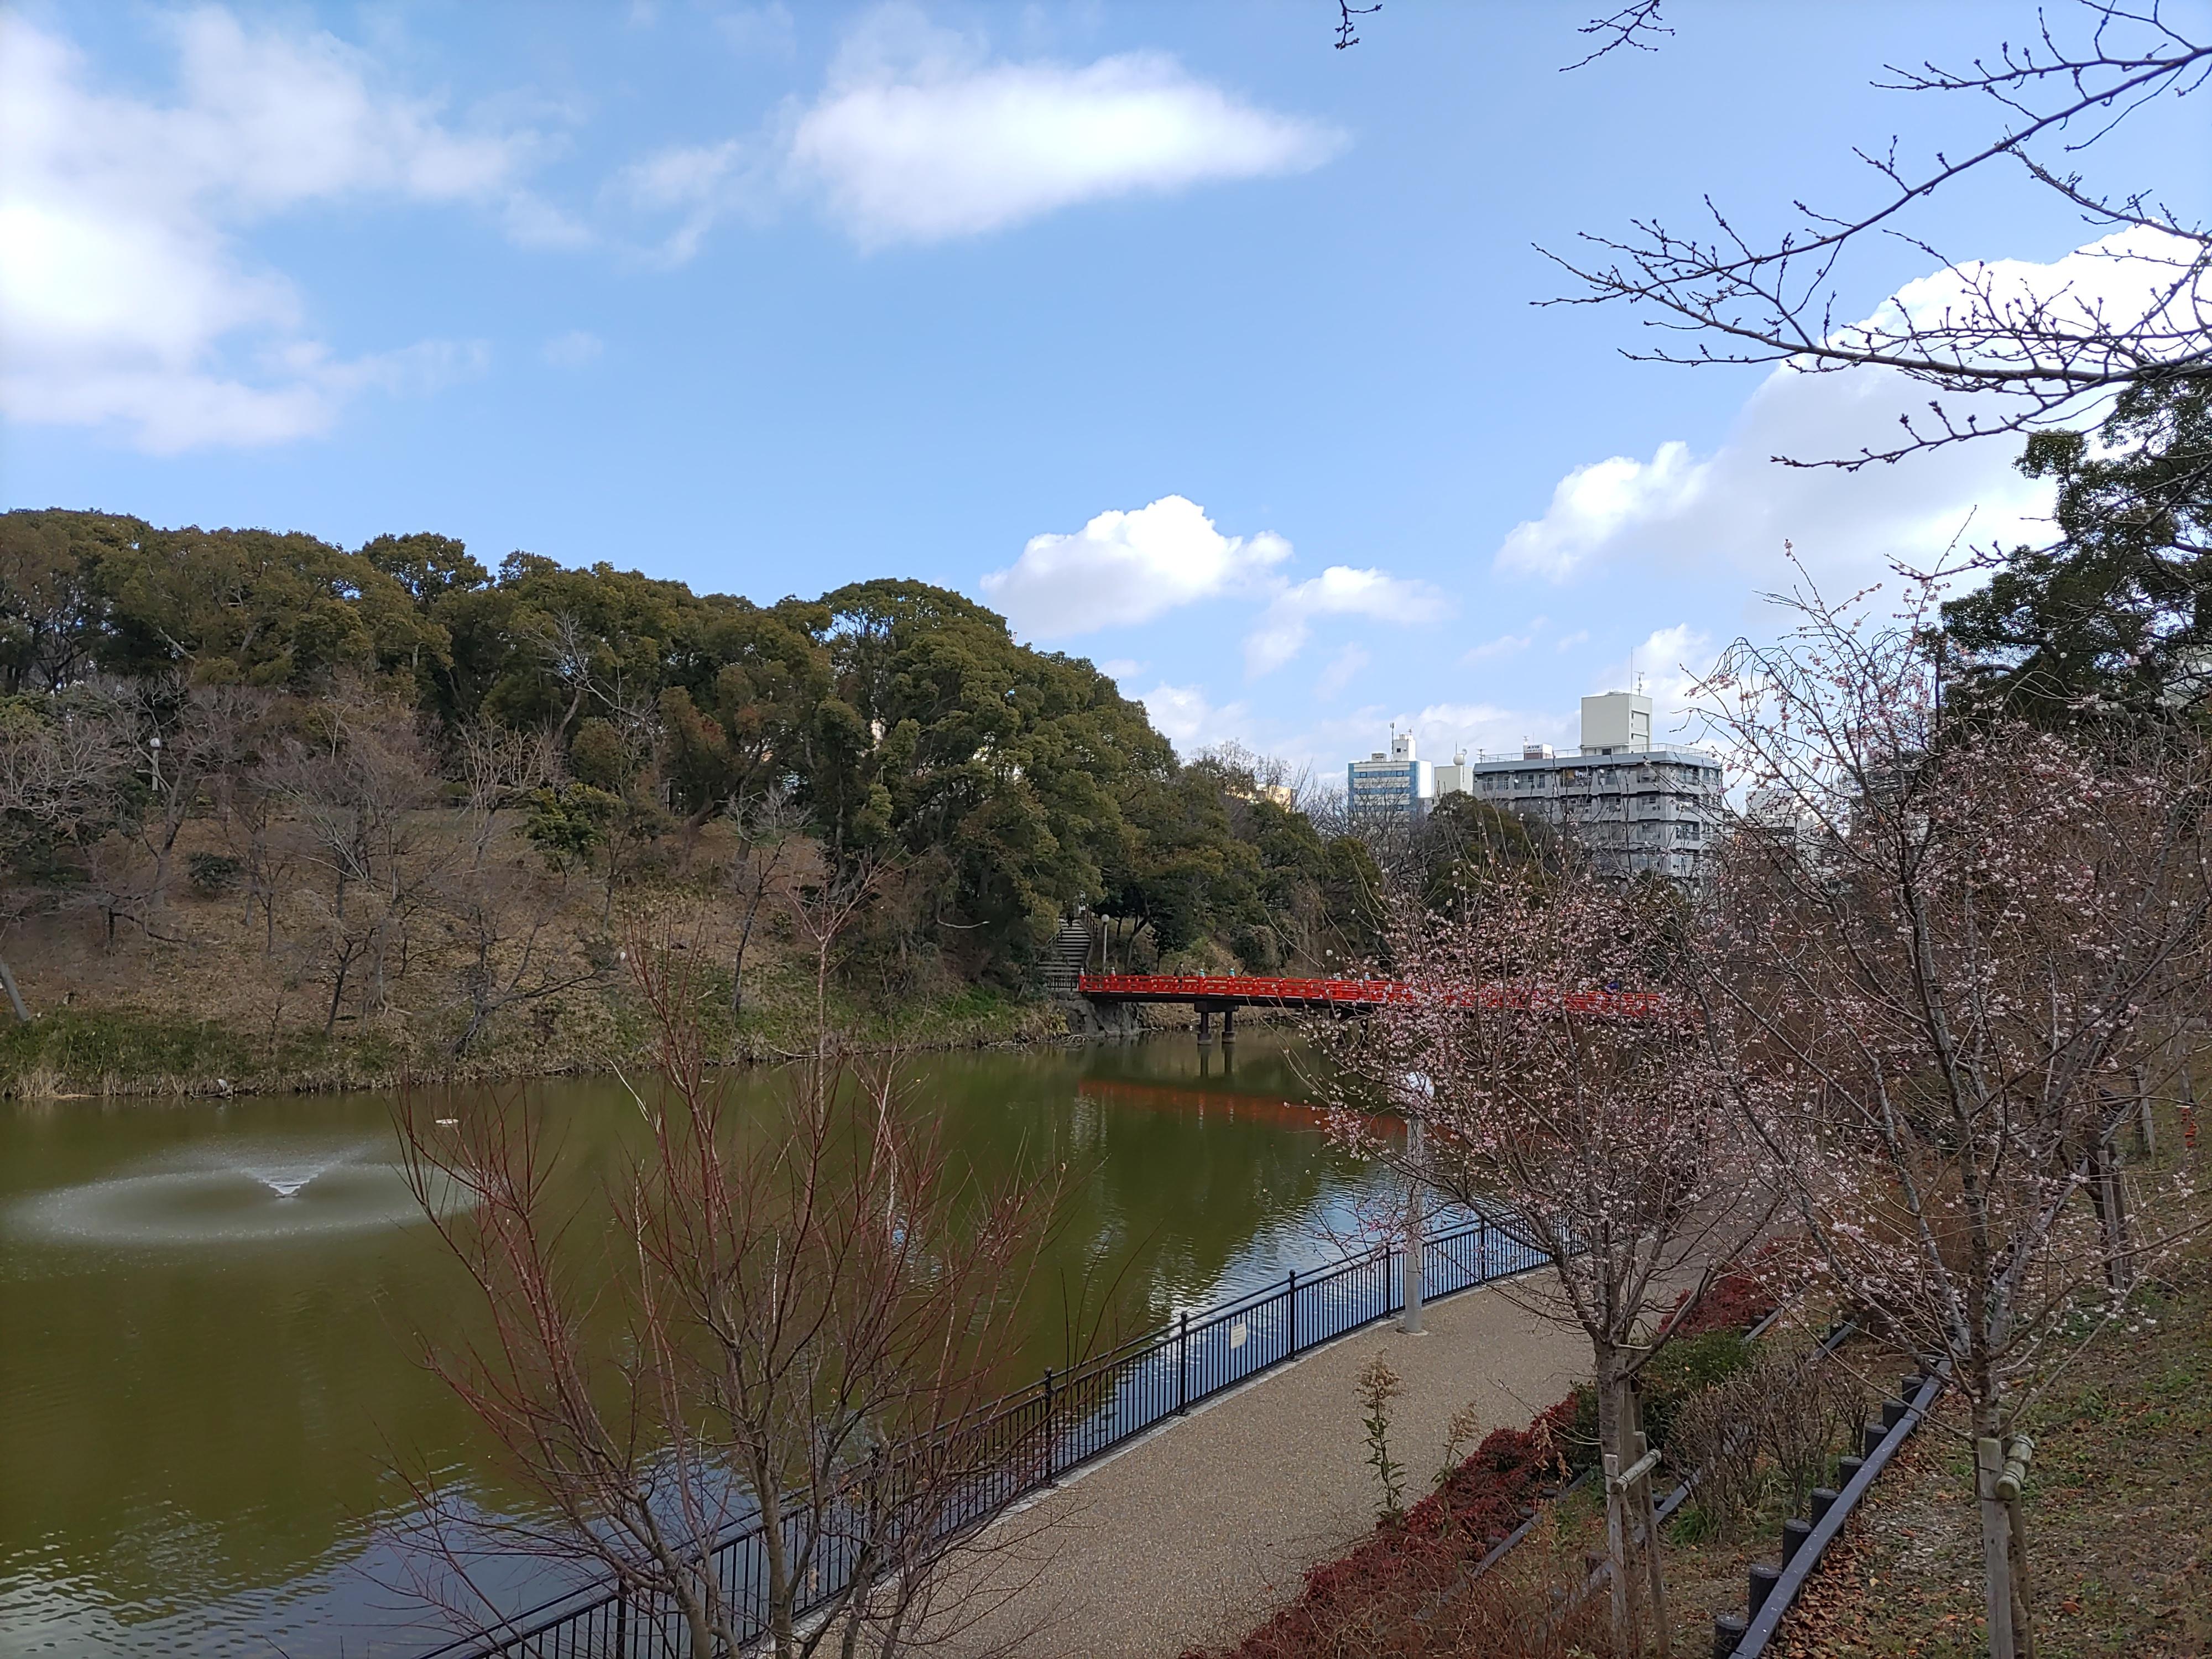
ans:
(1195, 1534)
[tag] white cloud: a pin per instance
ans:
(1735, 507)
(1187, 719)
(702, 184)
(1121, 668)
(531, 222)
(1567, 642)
(919, 135)
(920, 139)
(2137, 273)
(1339, 591)
(1666, 667)
(1127, 568)
(125, 296)
(1483, 728)
(1343, 668)
(1506, 645)
(1439, 729)
(573, 349)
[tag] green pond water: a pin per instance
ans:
(210, 1315)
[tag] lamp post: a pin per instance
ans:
(1418, 1092)
(154, 748)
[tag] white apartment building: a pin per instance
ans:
(1636, 809)
(1399, 785)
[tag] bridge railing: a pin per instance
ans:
(1051, 1428)
(1357, 993)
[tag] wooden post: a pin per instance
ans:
(2023, 1625)
(1616, 1552)
(2146, 1131)
(2120, 1255)
(1996, 1550)
(2107, 1199)
(1616, 1515)
(1648, 1516)
(2007, 1489)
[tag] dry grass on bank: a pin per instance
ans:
(211, 998)
(2119, 1531)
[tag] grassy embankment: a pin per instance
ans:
(80, 1050)
(2118, 1525)
(2119, 1534)
(214, 1000)
(2120, 1539)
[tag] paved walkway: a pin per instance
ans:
(1195, 1534)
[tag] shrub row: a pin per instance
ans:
(1401, 1564)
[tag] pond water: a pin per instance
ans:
(211, 1316)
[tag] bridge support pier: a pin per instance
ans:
(1204, 1027)
(1228, 1026)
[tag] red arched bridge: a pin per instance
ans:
(1224, 994)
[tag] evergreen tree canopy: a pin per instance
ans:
(2113, 620)
(1000, 787)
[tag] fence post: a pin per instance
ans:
(1182, 1365)
(1048, 1436)
(1293, 1315)
(1481, 1251)
(622, 1621)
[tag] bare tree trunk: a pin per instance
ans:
(14, 997)
(738, 958)
(337, 995)
(1610, 1393)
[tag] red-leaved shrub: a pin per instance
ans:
(1399, 1566)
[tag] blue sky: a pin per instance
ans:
(1197, 347)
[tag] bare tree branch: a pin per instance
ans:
(2029, 358)
(1629, 26)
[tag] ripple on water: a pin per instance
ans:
(247, 1196)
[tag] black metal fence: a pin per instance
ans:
(1031, 1438)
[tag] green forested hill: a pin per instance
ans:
(349, 745)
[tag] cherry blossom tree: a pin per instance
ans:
(1942, 946)
(1570, 1093)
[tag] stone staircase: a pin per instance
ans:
(1066, 957)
